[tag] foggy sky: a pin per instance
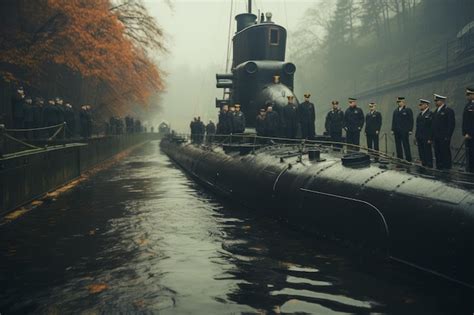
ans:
(197, 34)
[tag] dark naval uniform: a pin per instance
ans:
(402, 125)
(260, 125)
(334, 124)
(307, 119)
(373, 123)
(225, 125)
(443, 128)
(468, 129)
(423, 134)
(272, 123)
(238, 122)
(290, 120)
(353, 123)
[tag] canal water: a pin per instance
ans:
(142, 238)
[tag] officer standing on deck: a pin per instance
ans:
(468, 129)
(18, 112)
(402, 127)
(373, 123)
(38, 117)
(272, 122)
(443, 128)
(210, 131)
(353, 123)
(28, 116)
(238, 120)
(334, 123)
(423, 133)
(307, 118)
(290, 118)
(260, 123)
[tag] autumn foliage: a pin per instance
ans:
(105, 44)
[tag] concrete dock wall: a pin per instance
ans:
(29, 175)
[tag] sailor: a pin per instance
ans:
(238, 120)
(442, 129)
(402, 127)
(70, 118)
(201, 130)
(334, 123)
(210, 131)
(353, 123)
(423, 133)
(224, 123)
(230, 118)
(290, 118)
(193, 127)
(272, 122)
(18, 112)
(260, 123)
(373, 123)
(468, 129)
(307, 118)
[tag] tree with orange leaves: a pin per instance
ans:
(106, 46)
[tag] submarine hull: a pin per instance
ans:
(422, 222)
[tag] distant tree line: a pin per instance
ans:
(339, 39)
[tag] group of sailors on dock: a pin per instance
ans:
(34, 119)
(32, 116)
(434, 128)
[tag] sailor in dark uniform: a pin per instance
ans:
(402, 127)
(238, 120)
(272, 122)
(373, 123)
(224, 124)
(210, 131)
(423, 133)
(468, 129)
(307, 118)
(334, 123)
(260, 123)
(290, 118)
(442, 128)
(353, 123)
(193, 127)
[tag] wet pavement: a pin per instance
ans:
(142, 238)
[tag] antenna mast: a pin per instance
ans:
(250, 6)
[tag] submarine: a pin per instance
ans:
(417, 217)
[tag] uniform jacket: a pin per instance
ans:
(210, 129)
(260, 125)
(443, 123)
(306, 112)
(353, 119)
(238, 122)
(334, 121)
(468, 119)
(423, 125)
(272, 123)
(290, 116)
(402, 120)
(373, 122)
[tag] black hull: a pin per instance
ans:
(422, 222)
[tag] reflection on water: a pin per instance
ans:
(142, 238)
